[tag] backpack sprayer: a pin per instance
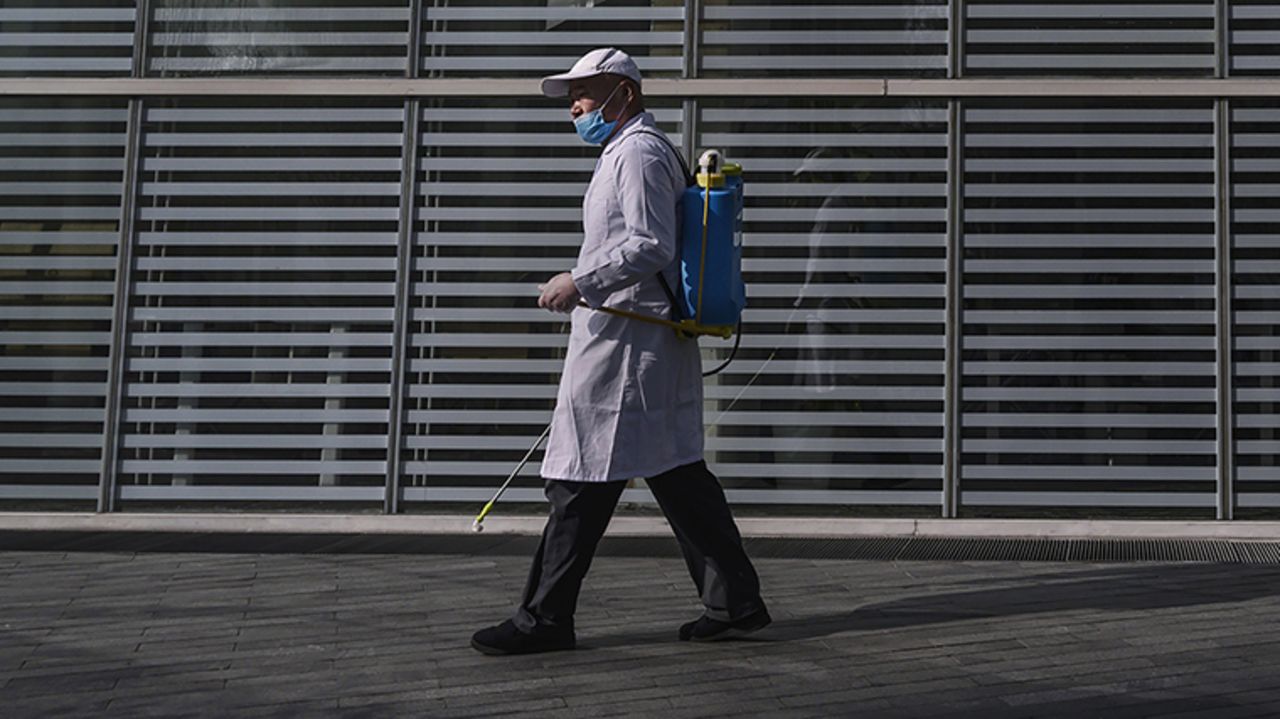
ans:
(712, 293)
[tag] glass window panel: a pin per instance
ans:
(92, 38)
(837, 394)
(531, 38)
(1089, 312)
(261, 319)
(1090, 37)
(233, 37)
(61, 169)
(1255, 37)
(755, 38)
(500, 211)
(1255, 274)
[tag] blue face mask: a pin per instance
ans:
(592, 127)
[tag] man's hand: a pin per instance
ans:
(559, 294)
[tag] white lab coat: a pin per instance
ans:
(630, 398)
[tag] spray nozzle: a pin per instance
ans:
(711, 169)
(710, 162)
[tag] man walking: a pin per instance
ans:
(630, 397)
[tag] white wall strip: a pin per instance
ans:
(696, 88)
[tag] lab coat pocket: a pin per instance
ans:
(649, 389)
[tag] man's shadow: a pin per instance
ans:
(1118, 589)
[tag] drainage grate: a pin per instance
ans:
(1021, 550)
(1260, 552)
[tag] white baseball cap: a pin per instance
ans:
(601, 61)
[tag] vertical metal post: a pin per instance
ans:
(403, 309)
(1223, 268)
(692, 38)
(689, 130)
(413, 59)
(690, 69)
(403, 314)
(1222, 38)
(953, 377)
(141, 38)
(955, 39)
(118, 354)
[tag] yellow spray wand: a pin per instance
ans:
(477, 525)
(685, 327)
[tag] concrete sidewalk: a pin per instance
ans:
(129, 634)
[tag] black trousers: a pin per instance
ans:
(694, 504)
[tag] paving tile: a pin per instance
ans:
(83, 705)
(324, 707)
(280, 635)
(1270, 708)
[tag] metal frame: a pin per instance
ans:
(658, 87)
(689, 88)
(1223, 267)
(1222, 38)
(118, 355)
(954, 373)
(404, 272)
(955, 37)
(119, 352)
(1224, 326)
(692, 39)
(692, 66)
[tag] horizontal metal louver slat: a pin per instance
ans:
(1088, 366)
(1089, 37)
(1067, 501)
(249, 493)
(56, 285)
(264, 297)
(1255, 274)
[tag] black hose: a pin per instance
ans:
(737, 340)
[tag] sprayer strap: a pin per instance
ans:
(676, 314)
(684, 166)
(671, 297)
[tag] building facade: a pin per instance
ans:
(1003, 258)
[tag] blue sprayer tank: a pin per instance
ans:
(723, 295)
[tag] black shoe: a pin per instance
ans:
(506, 639)
(706, 629)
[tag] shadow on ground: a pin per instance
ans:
(1112, 589)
